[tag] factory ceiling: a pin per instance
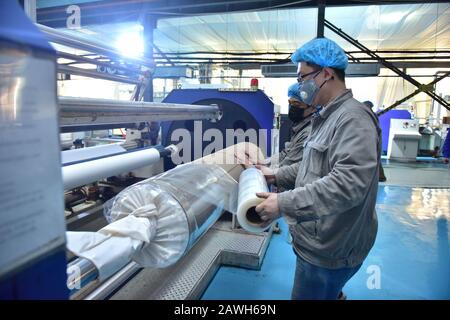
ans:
(53, 11)
(263, 31)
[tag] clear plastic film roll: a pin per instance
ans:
(188, 199)
(248, 182)
(171, 235)
(251, 181)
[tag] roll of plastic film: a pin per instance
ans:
(87, 172)
(251, 181)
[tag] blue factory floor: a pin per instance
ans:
(411, 253)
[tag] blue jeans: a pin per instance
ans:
(315, 283)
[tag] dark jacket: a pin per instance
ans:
(293, 152)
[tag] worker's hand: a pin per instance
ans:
(244, 160)
(268, 209)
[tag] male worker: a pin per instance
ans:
(382, 176)
(300, 115)
(330, 206)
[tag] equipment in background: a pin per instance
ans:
(239, 110)
(430, 142)
(385, 124)
(404, 139)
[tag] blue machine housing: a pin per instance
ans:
(241, 110)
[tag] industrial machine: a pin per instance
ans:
(241, 111)
(404, 139)
(224, 243)
(216, 243)
(385, 125)
(95, 169)
(431, 141)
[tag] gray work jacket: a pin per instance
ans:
(331, 202)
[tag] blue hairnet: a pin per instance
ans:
(293, 91)
(323, 52)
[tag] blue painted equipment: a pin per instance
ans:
(240, 110)
(385, 124)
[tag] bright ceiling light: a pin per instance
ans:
(130, 44)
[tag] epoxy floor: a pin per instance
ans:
(410, 258)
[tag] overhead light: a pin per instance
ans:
(130, 44)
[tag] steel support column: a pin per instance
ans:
(149, 27)
(321, 19)
(150, 23)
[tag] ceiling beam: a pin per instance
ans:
(401, 65)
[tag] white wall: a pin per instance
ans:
(94, 88)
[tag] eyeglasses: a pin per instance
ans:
(301, 78)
